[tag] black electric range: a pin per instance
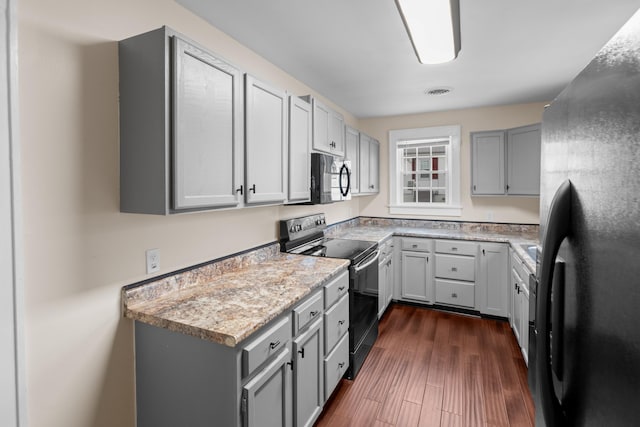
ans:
(305, 236)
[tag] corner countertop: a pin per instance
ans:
(379, 234)
(233, 304)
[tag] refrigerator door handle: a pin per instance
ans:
(558, 228)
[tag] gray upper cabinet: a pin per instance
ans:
(328, 128)
(265, 142)
(487, 162)
(523, 166)
(352, 150)
(299, 150)
(181, 126)
(506, 162)
(369, 165)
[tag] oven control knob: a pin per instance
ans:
(299, 227)
(293, 229)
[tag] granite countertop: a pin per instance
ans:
(381, 233)
(230, 306)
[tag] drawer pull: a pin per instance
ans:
(341, 288)
(454, 269)
(414, 246)
(340, 322)
(454, 295)
(341, 365)
(454, 248)
(301, 353)
(314, 313)
(274, 344)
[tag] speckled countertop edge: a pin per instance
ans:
(229, 307)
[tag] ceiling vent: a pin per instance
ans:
(438, 91)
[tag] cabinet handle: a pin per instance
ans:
(314, 313)
(274, 344)
(240, 190)
(427, 260)
(371, 186)
(341, 322)
(301, 353)
(290, 365)
(341, 288)
(483, 252)
(454, 248)
(340, 365)
(474, 188)
(454, 269)
(414, 246)
(454, 295)
(253, 188)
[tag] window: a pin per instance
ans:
(424, 171)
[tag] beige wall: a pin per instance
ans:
(79, 249)
(498, 209)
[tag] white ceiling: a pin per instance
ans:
(357, 53)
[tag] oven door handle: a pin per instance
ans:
(366, 264)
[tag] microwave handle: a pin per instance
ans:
(344, 191)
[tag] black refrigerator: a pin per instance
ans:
(586, 369)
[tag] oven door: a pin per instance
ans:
(363, 311)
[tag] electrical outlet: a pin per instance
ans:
(153, 260)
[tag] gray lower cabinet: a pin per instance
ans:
(181, 126)
(276, 378)
(308, 378)
(299, 183)
(352, 154)
(520, 303)
(506, 162)
(455, 276)
(265, 142)
(493, 280)
(385, 276)
(417, 271)
(336, 332)
(266, 399)
(369, 165)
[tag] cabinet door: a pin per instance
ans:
(308, 375)
(417, 281)
(516, 315)
(374, 166)
(266, 399)
(365, 175)
(265, 147)
(299, 150)
(523, 166)
(207, 114)
(487, 163)
(524, 330)
(493, 280)
(336, 133)
(321, 115)
(383, 269)
(352, 150)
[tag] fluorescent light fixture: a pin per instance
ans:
(433, 27)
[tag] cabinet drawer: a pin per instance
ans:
(455, 293)
(265, 345)
(386, 248)
(456, 247)
(519, 266)
(411, 244)
(306, 312)
(336, 323)
(336, 289)
(456, 267)
(335, 365)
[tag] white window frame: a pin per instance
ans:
(396, 205)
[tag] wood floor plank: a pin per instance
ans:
(431, 368)
(409, 415)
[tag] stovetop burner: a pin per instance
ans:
(354, 250)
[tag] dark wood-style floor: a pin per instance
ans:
(430, 368)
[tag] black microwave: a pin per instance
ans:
(330, 179)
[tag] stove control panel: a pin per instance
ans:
(297, 228)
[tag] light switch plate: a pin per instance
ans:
(153, 260)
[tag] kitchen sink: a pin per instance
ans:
(531, 250)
